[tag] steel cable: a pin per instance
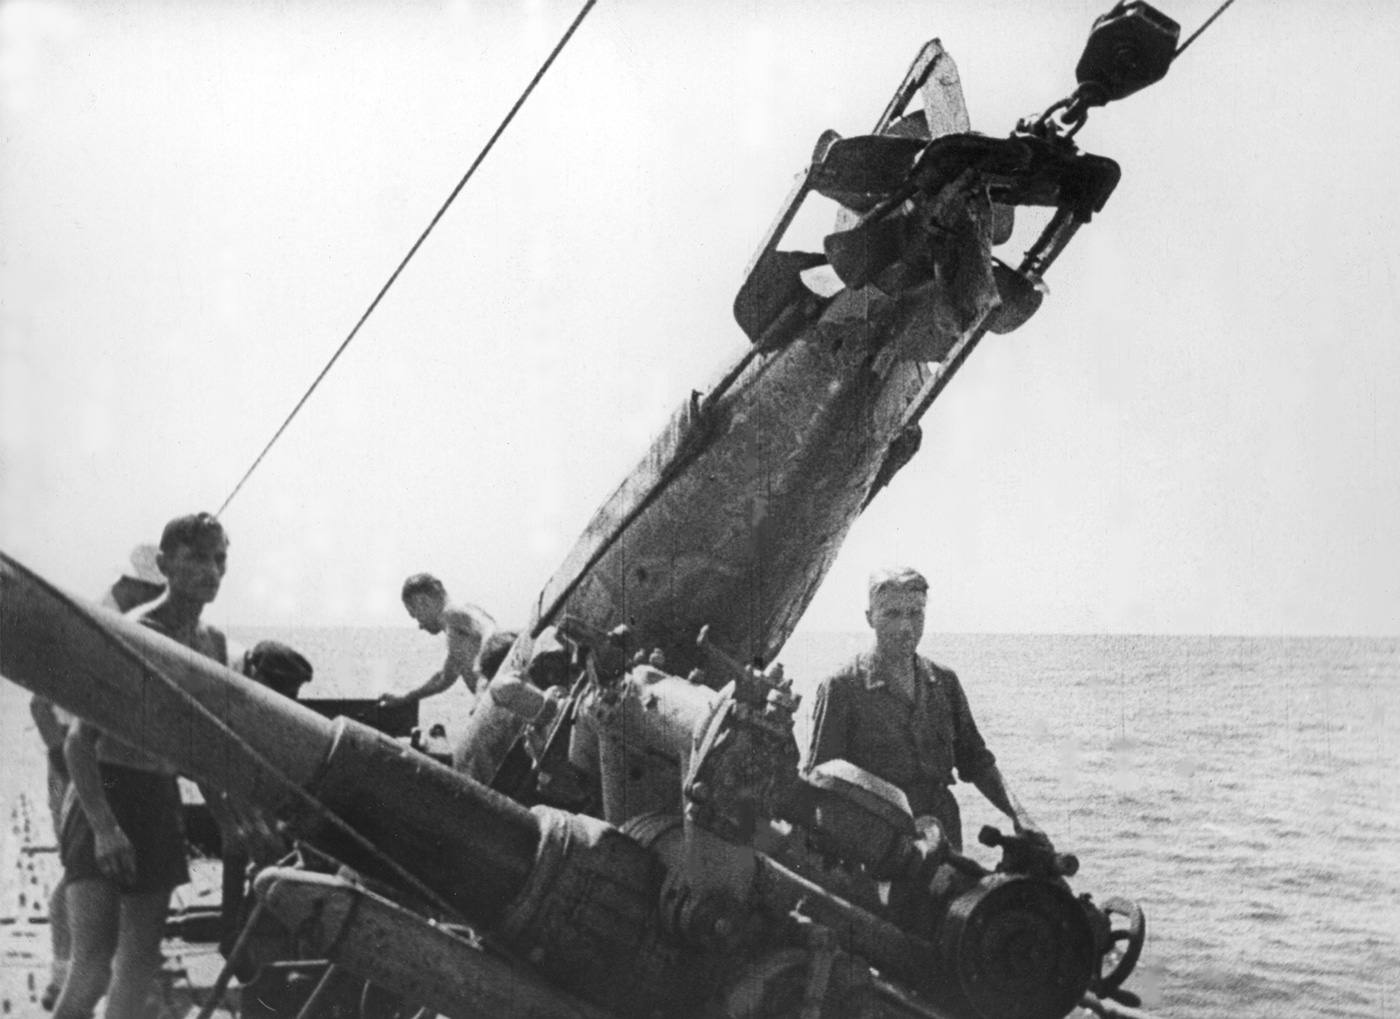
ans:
(578, 20)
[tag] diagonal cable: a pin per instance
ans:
(578, 20)
(1208, 22)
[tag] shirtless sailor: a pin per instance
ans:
(466, 626)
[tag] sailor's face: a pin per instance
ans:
(426, 610)
(196, 571)
(898, 619)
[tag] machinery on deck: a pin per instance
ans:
(629, 833)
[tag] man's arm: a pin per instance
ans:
(466, 627)
(51, 730)
(992, 784)
(437, 683)
(116, 857)
(828, 726)
(978, 765)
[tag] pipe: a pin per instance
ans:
(406, 954)
(888, 948)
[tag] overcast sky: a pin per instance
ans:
(1199, 432)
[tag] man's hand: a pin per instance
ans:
(436, 684)
(116, 857)
(1027, 828)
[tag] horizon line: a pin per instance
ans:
(408, 627)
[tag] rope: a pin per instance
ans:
(588, 5)
(1194, 35)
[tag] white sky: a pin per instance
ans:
(1199, 432)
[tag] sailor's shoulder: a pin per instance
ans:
(467, 618)
(211, 642)
(851, 674)
(935, 673)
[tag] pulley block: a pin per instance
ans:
(1129, 48)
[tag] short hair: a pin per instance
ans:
(493, 652)
(897, 578)
(192, 529)
(422, 583)
(278, 667)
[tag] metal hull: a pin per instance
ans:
(750, 499)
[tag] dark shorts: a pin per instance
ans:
(147, 806)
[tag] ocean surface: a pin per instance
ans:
(1245, 791)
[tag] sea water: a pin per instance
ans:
(1244, 791)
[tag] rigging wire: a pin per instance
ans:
(563, 41)
(1194, 35)
(946, 369)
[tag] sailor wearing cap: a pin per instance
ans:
(251, 837)
(139, 582)
(277, 667)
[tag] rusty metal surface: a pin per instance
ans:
(742, 533)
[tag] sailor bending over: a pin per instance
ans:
(466, 626)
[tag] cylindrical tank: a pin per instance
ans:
(635, 736)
